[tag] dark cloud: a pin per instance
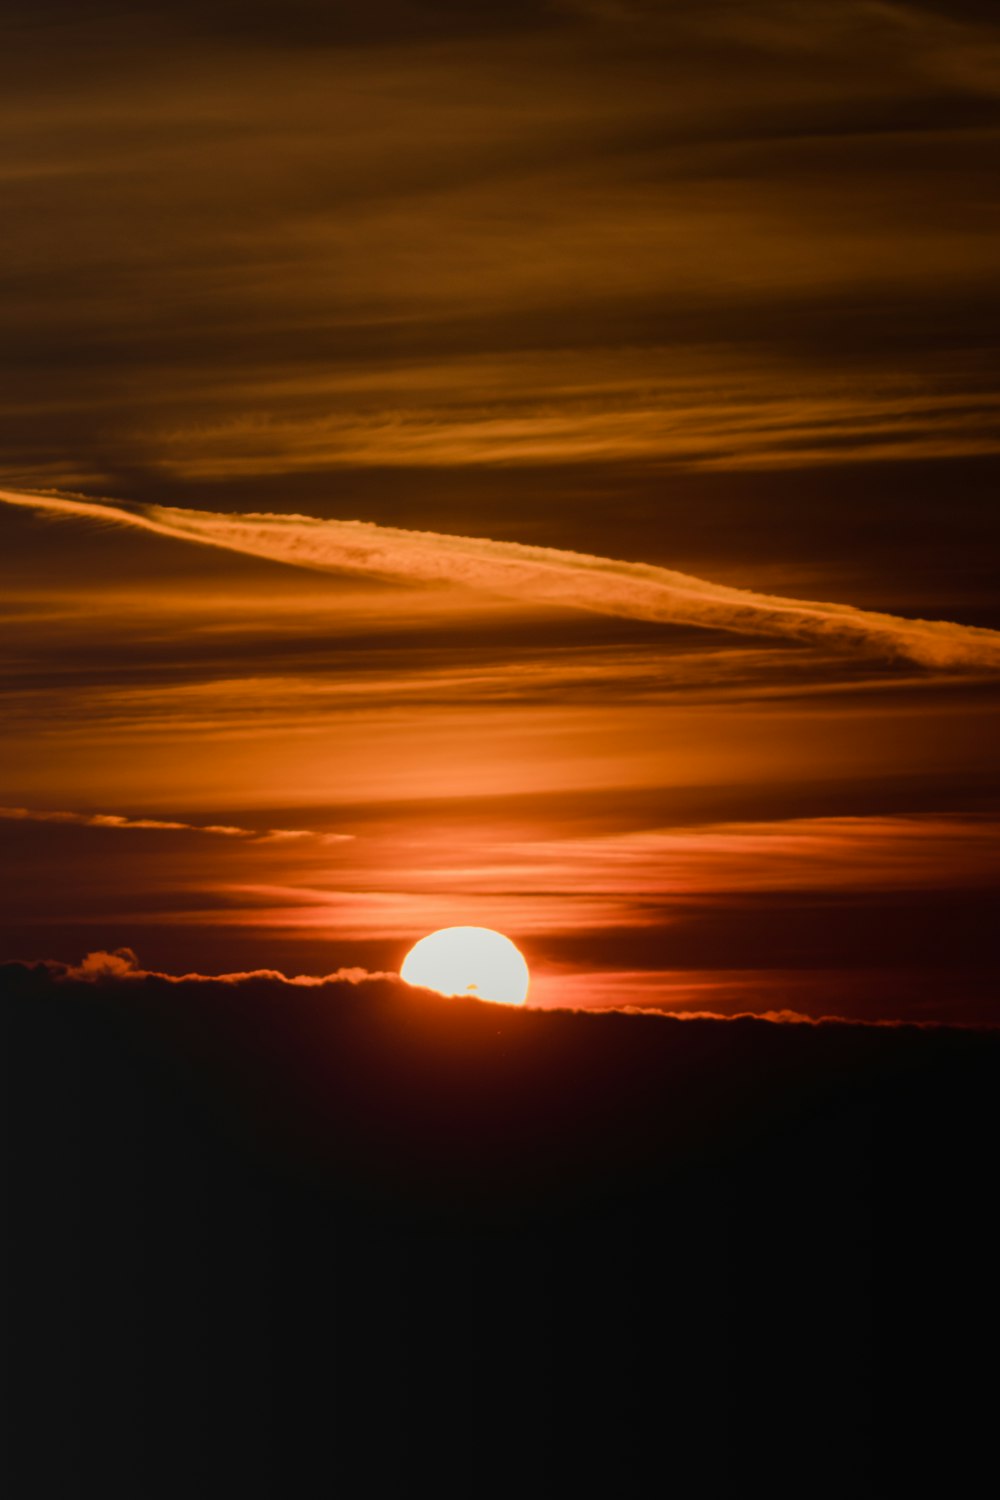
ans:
(256, 1219)
(451, 1103)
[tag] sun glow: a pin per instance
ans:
(473, 961)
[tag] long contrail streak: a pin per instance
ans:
(630, 590)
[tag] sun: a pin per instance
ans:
(473, 961)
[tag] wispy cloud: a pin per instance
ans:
(580, 185)
(629, 590)
(720, 859)
(390, 887)
(170, 825)
(532, 412)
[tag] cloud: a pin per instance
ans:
(535, 411)
(120, 964)
(882, 993)
(739, 184)
(227, 1187)
(364, 1074)
(890, 852)
(118, 820)
(102, 966)
(171, 825)
(121, 967)
(576, 580)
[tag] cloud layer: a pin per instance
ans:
(629, 590)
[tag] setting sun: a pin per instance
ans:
(474, 961)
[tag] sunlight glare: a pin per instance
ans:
(473, 961)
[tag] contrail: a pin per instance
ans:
(630, 590)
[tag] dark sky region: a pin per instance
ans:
(707, 288)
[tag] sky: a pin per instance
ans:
(479, 464)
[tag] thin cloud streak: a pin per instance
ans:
(530, 413)
(393, 888)
(717, 860)
(628, 590)
(171, 825)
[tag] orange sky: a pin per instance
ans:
(704, 289)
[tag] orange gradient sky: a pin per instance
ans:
(654, 322)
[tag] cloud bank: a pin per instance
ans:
(629, 590)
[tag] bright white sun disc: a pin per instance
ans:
(473, 961)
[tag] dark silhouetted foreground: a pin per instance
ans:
(351, 1239)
